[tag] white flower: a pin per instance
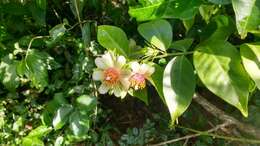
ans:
(140, 72)
(112, 73)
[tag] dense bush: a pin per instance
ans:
(125, 72)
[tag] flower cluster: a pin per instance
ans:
(116, 76)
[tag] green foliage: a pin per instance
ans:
(178, 85)
(158, 33)
(49, 51)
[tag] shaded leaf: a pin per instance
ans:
(62, 116)
(157, 32)
(79, 125)
(178, 85)
(182, 45)
(220, 2)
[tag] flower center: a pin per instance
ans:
(137, 81)
(111, 76)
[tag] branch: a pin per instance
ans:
(220, 114)
(193, 135)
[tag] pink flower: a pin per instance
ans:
(140, 72)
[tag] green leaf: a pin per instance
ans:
(219, 67)
(157, 80)
(157, 32)
(40, 131)
(86, 102)
(182, 9)
(141, 94)
(32, 141)
(57, 31)
(182, 45)
(8, 74)
(41, 4)
(247, 15)
(36, 69)
(250, 54)
(113, 38)
(86, 34)
(220, 28)
(76, 7)
(51, 107)
(62, 116)
(178, 85)
(79, 125)
(220, 2)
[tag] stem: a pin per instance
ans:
(77, 11)
(198, 133)
(173, 54)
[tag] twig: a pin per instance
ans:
(193, 135)
(220, 114)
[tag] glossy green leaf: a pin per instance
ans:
(178, 86)
(113, 38)
(86, 102)
(40, 131)
(157, 32)
(182, 9)
(78, 125)
(247, 15)
(182, 45)
(250, 54)
(219, 67)
(62, 116)
(51, 108)
(36, 69)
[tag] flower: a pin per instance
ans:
(112, 73)
(140, 72)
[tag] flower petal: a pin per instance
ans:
(103, 89)
(135, 66)
(150, 71)
(120, 61)
(108, 59)
(119, 92)
(98, 75)
(144, 68)
(100, 63)
(125, 83)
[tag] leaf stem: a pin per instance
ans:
(173, 54)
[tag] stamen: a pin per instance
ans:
(138, 81)
(112, 76)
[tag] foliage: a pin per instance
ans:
(57, 58)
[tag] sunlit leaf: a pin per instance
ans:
(178, 85)
(113, 38)
(250, 54)
(247, 15)
(182, 9)
(219, 67)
